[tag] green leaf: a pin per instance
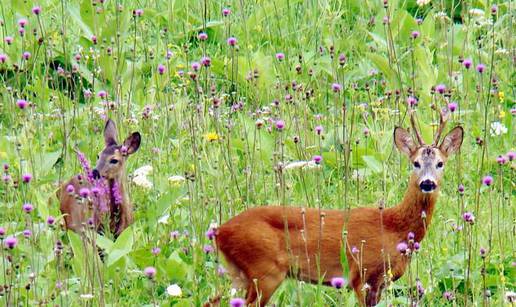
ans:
(77, 245)
(176, 269)
(121, 247)
(373, 164)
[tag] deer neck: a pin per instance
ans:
(117, 196)
(415, 211)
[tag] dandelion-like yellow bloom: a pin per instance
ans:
(212, 136)
(501, 96)
(502, 114)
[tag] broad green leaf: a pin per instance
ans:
(121, 247)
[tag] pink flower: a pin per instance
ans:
(226, 12)
(36, 10)
(232, 41)
(202, 36)
(22, 22)
(3, 58)
(22, 103)
(280, 56)
(161, 69)
(150, 272)
(336, 87)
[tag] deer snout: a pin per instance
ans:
(427, 186)
(96, 174)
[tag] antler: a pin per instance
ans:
(443, 118)
(416, 132)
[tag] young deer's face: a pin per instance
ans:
(428, 160)
(111, 160)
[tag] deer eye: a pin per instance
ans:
(440, 164)
(417, 165)
(113, 161)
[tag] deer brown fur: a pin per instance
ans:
(264, 245)
(110, 169)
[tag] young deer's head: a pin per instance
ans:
(429, 160)
(111, 160)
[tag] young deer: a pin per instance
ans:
(264, 245)
(103, 189)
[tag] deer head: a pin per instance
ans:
(111, 160)
(429, 160)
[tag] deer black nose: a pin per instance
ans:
(427, 185)
(96, 174)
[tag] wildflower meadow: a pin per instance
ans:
(199, 110)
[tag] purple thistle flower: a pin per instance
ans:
(21, 31)
(10, 242)
(174, 235)
(511, 155)
(26, 55)
(70, 189)
(481, 68)
(342, 59)
(440, 88)
(410, 236)
(402, 247)
(150, 272)
(355, 250)
(210, 234)
(411, 101)
(2, 232)
(319, 129)
(317, 159)
(87, 93)
(460, 189)
(84, 192)
(206, 61)
(487, 180)
(221, 270)
(161, 69)
(494, 9)
(196, 66)
(28, 208)
(51, 220)
(483, 252)
(22, 22)
(202, 36)
(501, 160)
(26, 178)
(232, 41)
(208, 249)
(22, 103)
(452, 106)
(467, 63)
(226, 12)
(280, 125)
(138, 12)
(420, 288)
(102, 94)
(94, 39)
(237, 302)
(27, 233)
(417, 246)
(3, 58)
(468, 217)
(338, 282)
(9, 40)
(280, 56)
(414, 34)
(155, 251)
(336, 87)
(448, 296)
(36, 10)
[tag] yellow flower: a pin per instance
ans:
(212, 136)
(501, 96)
(502, 114)
(180, 66)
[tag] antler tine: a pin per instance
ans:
(416, 131)
(443, 118)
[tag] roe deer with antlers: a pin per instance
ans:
(264, 245)
(101, 193)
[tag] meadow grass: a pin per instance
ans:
(229, 96)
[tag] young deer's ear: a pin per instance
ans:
(452, 142)
(404, 141)
(110, 134)
(133, 142)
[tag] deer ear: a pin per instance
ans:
(404, 141)
(452, 142)
(133, 142)
(110, 133)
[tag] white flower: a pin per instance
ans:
(174, 290)
(498, 128)
(476, 12)
(143, 171)
(87, 296)
(176, 179)
(422, 2)
(214, 225)
(142, 181)
(301, 165)
(164, 219)
(510, 296)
